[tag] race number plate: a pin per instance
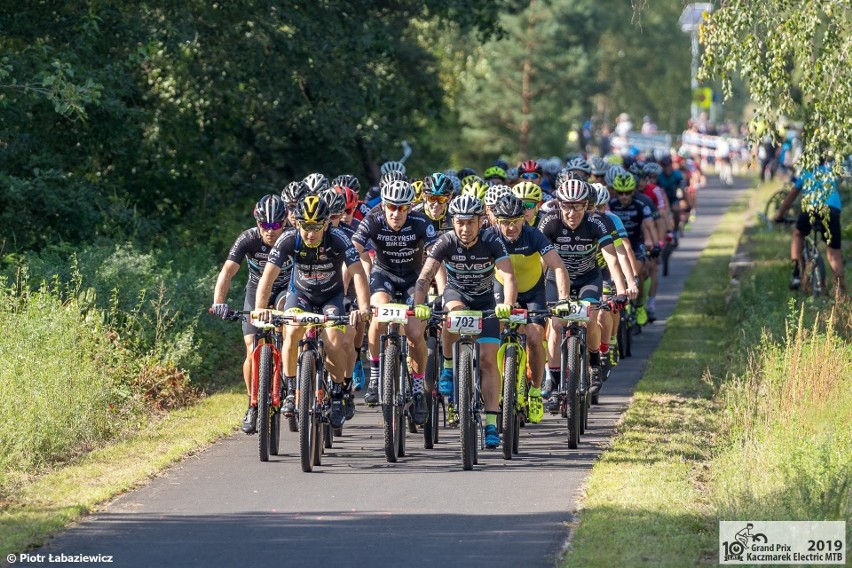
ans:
(519, 319)
(579, 311)
(305, 318)
(391, 313)
(464, 322)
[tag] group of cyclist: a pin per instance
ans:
(530, 237)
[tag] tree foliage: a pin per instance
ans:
(795, 57)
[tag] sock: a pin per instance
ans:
(347, 384)
(613, 340)
(594, 358)
(554, 376)
(535, 392)
(490, 418)
(336, 390)
(604, 349)
(291, 385)
(448, 363)
(357, 354)
(795, 268)
(417, 387)
(374, 366)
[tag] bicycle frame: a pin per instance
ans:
(273, 338)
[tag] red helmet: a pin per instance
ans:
(529, 167)
(349, 194)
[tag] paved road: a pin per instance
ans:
(224, 508)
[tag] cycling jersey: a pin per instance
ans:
(470, 270)
(577, 247)
(317, 271)
(249, 246)
(441, 226)
(525, 252)
(632, 216)
(656, 194)
(671, 183)
(399, 253)
(645, 200)
(809, 183)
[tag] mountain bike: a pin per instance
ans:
(266, 379)
(313, 387)
(434, 401)
(773, 205)
(814, 266)
(394, 380)
(626, 324)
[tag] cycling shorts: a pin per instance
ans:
(490, 326)
(399, 289)
(535, 299)
(585, 287)
(639, 252)
(329, 305)
(804, 225)
(279, 295)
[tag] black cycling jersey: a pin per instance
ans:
(397, 252)
(441, 226)
(525, 252)
(318, 271)
(645, 200)
(632, 216)
(577, 247)
(470, 270)
(250, 246)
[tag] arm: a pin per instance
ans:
(421, 287)
(504, 269)
(366, 261)
(626, 262)
(362, 287)
(649, 232)
(563, 280)
(264, 287)
(223, 282)
(611, 258)
(788, 201)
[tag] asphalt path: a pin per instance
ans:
(222, 507)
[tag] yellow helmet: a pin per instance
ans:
(312, 209)
(418, 190)
(527, 190)
(475, 186)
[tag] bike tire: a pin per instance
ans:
(510, 402)
(264, 382)
(467, 422)
(391, 411)
(667, 253)
(430, 428)
(818, 282)
(292, 423)
(306, 406)
(572, 407)
(275, 433)
(327, 435)
(773, 204)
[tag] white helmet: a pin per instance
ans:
(494, 193)
(465, 207)
(603, 194)
(572, 190)
(398, 192)
(392, 167)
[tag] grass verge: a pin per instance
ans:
(676, 466)
(33, 509)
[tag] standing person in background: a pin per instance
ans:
(605, 141)
(648, 126)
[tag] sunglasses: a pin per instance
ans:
(437, 198)
(573, 206)
(510, 222)
(401, 208)
(312, 227)
(271, 226)
(530, 175)
(528, 205)
(624, 193)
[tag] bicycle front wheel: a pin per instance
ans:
(510, 403)
(467, 421)
(391, 411)
(264, 380)
(430, 429)
(572, 400)
(307, 403)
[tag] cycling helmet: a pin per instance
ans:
(508, 207)
(270, 209)
(512, 174)
(579, 164)
(350, 197)
(347, 180)
(316, 183)
(438, 184)
(392, 167)
(451, 172)
(465, 207)
(572, 190)
(397, 192)
(653, 169)
(527, 190)
(529, 166)
(565, 175)
(551, 166)
(391, 176)
(495, 193)
(495, 172)
(335, 200)
(474, 186)
(418, 190)
(637, 168)
(456, 184)
(611, 173)
(599, 166)
(464, 172)
(603, 194)
(624, 183)
(312, 209)
(502, 164)
(294, 192)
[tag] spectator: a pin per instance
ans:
(648, 126)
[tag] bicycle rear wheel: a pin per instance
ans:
(275, 432)
(306, 405)
(430, 429)
(467, 422)
(510, 402)
(391, 411)
(572, 406)
(264, 380)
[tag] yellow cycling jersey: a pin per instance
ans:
(525, 253)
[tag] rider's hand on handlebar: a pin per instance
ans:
(502, 310)
(632, 290)
(562, 307)
(220, 310)
(422, 311)
(617, 303)
(357, 316)
(262, 315)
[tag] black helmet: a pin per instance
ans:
(270, 209)
(508, 207)
(312, 209)
(294, 192)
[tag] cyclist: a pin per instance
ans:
(531, 196)
(253, 246)
(530, 252)
(651, 193)
(472, 257)
(316, 183)
(673, 183)
(318, 255)
(399, 237)
(292, 194)
(811, 184)
(495, 175)
(577, 236)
